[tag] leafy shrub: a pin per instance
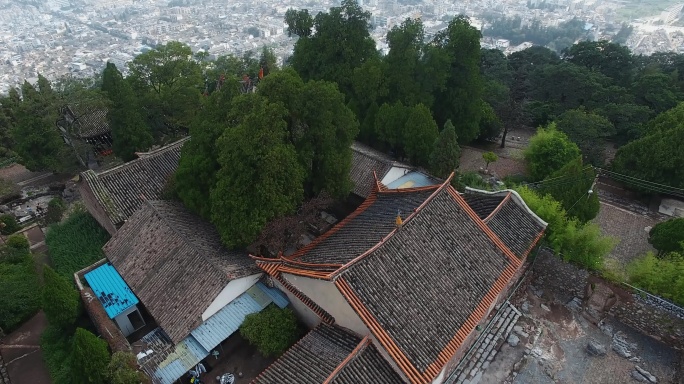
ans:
(55, 210)
(122, 369)
(660, 276)
(667, 236)
(579, 243)
(75, 243)
(549, 150)
(272, 330)
(470, 179)
(19, 295)
(56, 347)
(18, 242)
(61, 301)
(8, 224)
(89, 358)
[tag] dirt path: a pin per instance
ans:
(22, 354)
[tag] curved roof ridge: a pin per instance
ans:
(444, 185)
(498, 208)
(141, 156)
(518, 200)
(363, 344)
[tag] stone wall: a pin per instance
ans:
(647, 315)
(4, 376)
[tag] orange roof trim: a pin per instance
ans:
(498, 208)
(362, 345)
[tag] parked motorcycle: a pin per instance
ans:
(226, 378)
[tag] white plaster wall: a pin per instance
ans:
(123, 323)
(305, 314)
(440, 377)
(326, 295)
(394, 173)
(234, 289)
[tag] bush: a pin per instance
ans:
(19, 293)
(75, 243)
(89, 358)
(61, 301)
(660, 276)
(272, 330)
(122, 369)
(578, 243)
(8, 225)
(470, 179)
(56, 347)
(667, 236)
(549, 150)
(18, 242)
(55, 211)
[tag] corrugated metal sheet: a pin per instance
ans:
(275, 294)
(186, 355)
(111, 290)
(226, 321)
(412, 180)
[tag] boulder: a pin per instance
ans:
(646, 374)
(595, 348)
(639, 377)
(513, 340)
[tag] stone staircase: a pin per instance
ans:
(485, 348)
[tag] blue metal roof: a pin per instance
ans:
(227, 320)
(275, 294)
(412, 180)
(111, 289)
(186, 355)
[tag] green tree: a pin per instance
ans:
(268, 60)
(446, 153)
(37, 140)
(122, 369)
(549, 150)
(588, 131)
(667, 236)
(572, 187)
(419, 135)
(369, 88)
(656, 91)
(406, 69)
(460, 99)
(323, 55)
(628, 119)
(610, 59)
(19, 298)
(320, 127)
(656, 156)
(55, 211)
(259, 177)
(89, 358)
(130, 133)
(390, 121)
(61, 302)
(18, 242)
(169, 82)
(489, 157)
(272, 330)
(529, 59)
(8, 224)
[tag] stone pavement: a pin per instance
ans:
(22, 354)
(484, 350)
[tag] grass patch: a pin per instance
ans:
(75, 243)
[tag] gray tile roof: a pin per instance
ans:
(423, 284)
(483, 205)
(352, 237)
(175, 263)
(120, 190)
(365, 161)
(89, 122)
(330, 353)
(527, 229)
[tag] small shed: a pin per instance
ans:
(116, 297)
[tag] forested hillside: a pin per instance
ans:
(255, 156)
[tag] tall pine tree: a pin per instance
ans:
(129, 131)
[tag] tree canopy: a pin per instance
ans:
(668, 236)
(90, 358)
(272, 330)
(549, 150)
(446, 153)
